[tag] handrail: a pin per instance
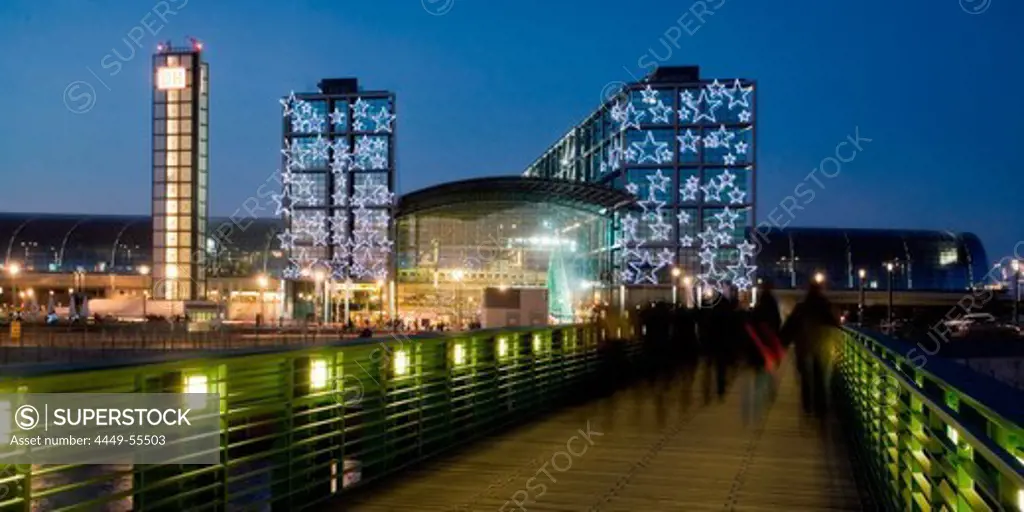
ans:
(301, 426)
(941, 437)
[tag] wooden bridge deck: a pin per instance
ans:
(662, 447)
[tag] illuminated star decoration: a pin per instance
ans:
(738, 95)
(382, 120)
(650, 95)
(744, 116)
(715, 89)
(337, 117)
(660, 113)
(704, 108)
(729, 159)
(659, 181)
(688, 141)
(690, 189)
(740, 148)
(651, 150)
(626, 115)
(362, 253)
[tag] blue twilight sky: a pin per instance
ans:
(484, 88)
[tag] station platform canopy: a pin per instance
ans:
(511, 191)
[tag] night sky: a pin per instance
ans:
(486, 87)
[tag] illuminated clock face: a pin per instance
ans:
(170, 78)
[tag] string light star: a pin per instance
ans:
(650, 150)
(705, 107)
(740, 148)
(337, 117)
(360, 108)
(650, 96)
(716, 89)
(746, 249)
(729, 159)
(660, 113)
(736, 196)
(738, 91)
(744, 116)
(688, 141)
(659, 181)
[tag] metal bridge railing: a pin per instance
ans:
(934, 436)
(301, 426)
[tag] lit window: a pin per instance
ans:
(318, 374)
(401, 364)
(948, 256)
(459, 354)
(196, 384)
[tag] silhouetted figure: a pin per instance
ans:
(718, 339)
(766, 312)
(810, 327)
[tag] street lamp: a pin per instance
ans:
(144, 271)
(860, 303)
(13, 269)
(819, 278)
(890, 267)
(676, 272)
(1016, 292)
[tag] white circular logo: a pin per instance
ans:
(975, 6)
(26, 417)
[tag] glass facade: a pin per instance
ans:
(180, 174)
(338, 175)
(685, 149)
(506, 244)
(922, 260)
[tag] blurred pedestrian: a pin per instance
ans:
(811, 327)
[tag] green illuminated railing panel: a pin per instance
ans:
(302, 426)
(934, 437)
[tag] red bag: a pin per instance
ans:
(771, 351)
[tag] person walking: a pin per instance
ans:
(810, 327)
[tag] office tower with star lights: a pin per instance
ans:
(180, 205)
(338, 179)
(684, 147)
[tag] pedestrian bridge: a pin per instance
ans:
(548, 419)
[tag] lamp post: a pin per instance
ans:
(889, 267)
(860, 302)
(144, 271)
(675, 286)
(1016, 292)
(13, 269)
(819, 278)
(458, 274)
